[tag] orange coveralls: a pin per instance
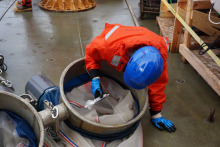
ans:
(26, 3)
(119, 40)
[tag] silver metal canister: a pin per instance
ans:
(37, 84)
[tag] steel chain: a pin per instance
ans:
(4, 81)
(51, 132)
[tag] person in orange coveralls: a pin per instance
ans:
(141, 55)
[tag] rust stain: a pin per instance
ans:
(141, 99)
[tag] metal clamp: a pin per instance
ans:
(54, 114)
(30, 99)
(54, 110)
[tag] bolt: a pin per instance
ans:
(211, 116)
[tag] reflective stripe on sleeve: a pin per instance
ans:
(166, 43)
(115, 60)
(110, 32)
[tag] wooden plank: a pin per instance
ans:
(157, 22)
(182, 13)
(174, 47)
(188, 20)
(198, 22)
(166, 14)
(203, 26)
(163, 7)
(167, 25)
(201, 4)
(174, 6)
(161, 33)
(209, 77)
(209, 62)
(204, 17)
(184, 60)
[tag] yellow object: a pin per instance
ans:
(17, 4)
(21, 10)
(67, 5)
(197, 38)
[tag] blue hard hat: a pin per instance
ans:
(144, 67)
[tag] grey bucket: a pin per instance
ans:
(76, 68)
(20, 107)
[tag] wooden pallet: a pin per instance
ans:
(204, 65)
(181, 41)
(166, 30)
(172, 28)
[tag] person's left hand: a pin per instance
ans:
(162, 123)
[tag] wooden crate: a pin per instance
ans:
(149, 7)
(204, 65)
(170, 26)
(185, 44)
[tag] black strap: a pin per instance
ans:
(210, 46)
(3, 66)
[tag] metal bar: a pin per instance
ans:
(132, 13)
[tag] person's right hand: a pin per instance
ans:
(96, 88)
(162, 123)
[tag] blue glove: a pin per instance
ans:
(96, 88)
(162, 123)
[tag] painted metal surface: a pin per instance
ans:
(67, 5)
(77, 68)
(37, 84)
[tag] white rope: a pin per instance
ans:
(212, 2)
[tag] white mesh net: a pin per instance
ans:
(70, 138)
(117, 108)
(8, 134)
